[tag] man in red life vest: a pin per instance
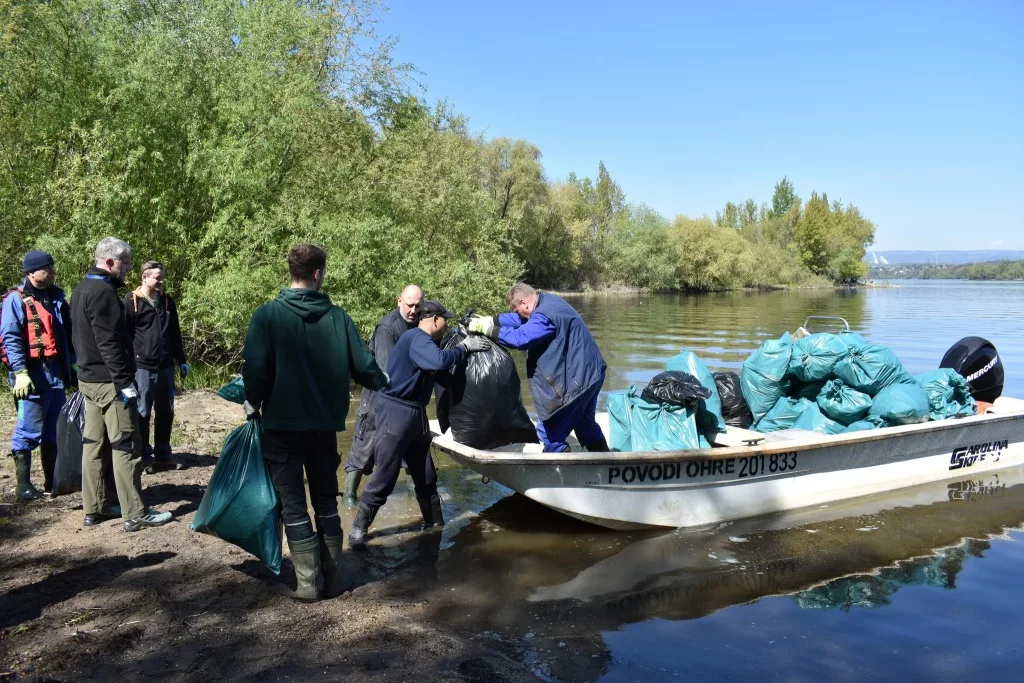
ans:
(35, 345)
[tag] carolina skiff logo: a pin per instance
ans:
(968, 455)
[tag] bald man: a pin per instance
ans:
(361, 459)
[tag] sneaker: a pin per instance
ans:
(112, 512)
(151, 518)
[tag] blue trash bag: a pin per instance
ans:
(813, 420)
(783, 414)
(233, 391)
(843, 404)
(901, 404)
(709, 411)
(764, 380)
(869, 422)
(871, 368)
(852, 338)
(948, 394)
(637, 425)
(814, 357)
(240, 504)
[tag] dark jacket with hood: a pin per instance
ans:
(155, 331)
(98, 328)
(301, 352)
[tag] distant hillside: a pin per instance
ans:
(940, 257)
(993, 270)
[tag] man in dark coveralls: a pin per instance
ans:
(402, 431)
(385, 335)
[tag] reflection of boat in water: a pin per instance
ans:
(583, 581)
(738, 480)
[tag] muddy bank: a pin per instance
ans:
(171, 605)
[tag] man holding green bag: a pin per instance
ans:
(300, 353)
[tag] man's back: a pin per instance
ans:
(301, 352)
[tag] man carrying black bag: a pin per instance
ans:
(300, 353)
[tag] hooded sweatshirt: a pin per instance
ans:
(301, 352)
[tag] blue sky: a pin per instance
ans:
(912, 111)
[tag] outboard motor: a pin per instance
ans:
(978, 361)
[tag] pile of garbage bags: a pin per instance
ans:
(835, 383)
(677, 410)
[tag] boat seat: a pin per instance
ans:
(735, 436)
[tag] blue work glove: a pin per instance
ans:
(183, 369)
(23, 385)
(485, 325)
(130, 395)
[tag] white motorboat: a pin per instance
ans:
(746, 473)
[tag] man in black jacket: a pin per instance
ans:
(152, 319)
(361, 459)
(106, 378)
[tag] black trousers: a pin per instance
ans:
(402, 433)
(286, 454)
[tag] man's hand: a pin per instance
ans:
(474, 343)
(183, 369)
(485, 325)
(130, 395)
(23, 385)
(251, 412)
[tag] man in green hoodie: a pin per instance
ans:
(300, 353)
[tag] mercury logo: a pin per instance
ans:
(975, 375)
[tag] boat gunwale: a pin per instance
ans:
(469, 454)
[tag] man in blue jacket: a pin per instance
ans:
(35, 341)
(402, 431)
(564, 365)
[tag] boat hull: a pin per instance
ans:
(698, 488)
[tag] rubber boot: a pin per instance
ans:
(430, 508)
(335, 582)
(22, 470)
(598, 446)
(363, 520)
(351, 498)
(48, 459)
(309, 578)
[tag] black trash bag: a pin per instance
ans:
(734, 407)
(483, 402)
(67, 471)
(676, 388)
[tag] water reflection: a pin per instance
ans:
(556, 585)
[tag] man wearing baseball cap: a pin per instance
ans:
(402, 430)
(35, 346)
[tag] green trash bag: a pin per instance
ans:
(783, 414)
(901, 404)
(709, 411)
(764, 380)
(233, 391)
(637, 425)
(843, 404)
(948, 394)
(814, 357)
(869, 422)
(813, 420)
(871, 368)
(240, 504)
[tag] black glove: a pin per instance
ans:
(475, 342)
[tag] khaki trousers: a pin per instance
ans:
(107, 421)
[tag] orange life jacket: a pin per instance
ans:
(42, 343)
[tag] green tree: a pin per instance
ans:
(784, 197)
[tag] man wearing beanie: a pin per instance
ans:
(35, 334)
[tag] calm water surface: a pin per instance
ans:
(922, 584)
